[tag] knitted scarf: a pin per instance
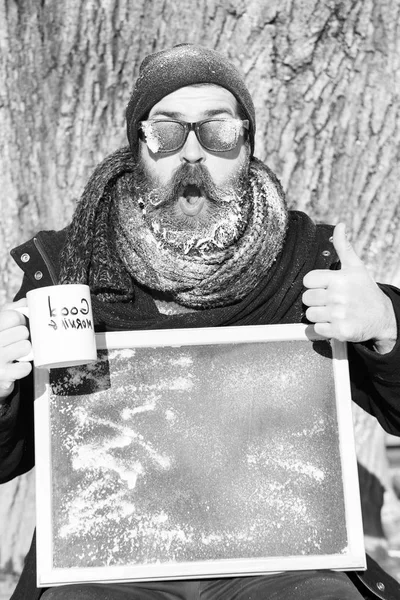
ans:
(110, 244)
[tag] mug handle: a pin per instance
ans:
(24, 310)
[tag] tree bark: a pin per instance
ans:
(325, 82)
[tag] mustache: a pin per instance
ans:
(187, 175)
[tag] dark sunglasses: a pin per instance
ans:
(216, 135)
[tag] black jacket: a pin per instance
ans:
(375, 379)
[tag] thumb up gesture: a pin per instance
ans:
(347, 304)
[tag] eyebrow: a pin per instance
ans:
(171, 114)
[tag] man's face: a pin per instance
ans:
(194, 194)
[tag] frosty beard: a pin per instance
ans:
(190, 214)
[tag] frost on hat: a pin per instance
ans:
(164, 72)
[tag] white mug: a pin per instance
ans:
(61, 326)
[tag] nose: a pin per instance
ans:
(192, 151)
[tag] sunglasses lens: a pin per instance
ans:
(163, 136)
(219, 135)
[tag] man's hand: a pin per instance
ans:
(14, 344)
(347, 304)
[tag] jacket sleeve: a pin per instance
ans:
(16, 416)
(375, 378)
(16, 431)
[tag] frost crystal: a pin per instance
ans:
(231, 128)
(152, 139)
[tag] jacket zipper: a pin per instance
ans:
(48, 264)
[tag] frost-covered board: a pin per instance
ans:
(197, 453)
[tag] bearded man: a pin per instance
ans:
(186, 228)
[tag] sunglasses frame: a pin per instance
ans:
(195, 126)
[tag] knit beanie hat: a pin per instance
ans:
(164, 72)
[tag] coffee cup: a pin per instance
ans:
(61, 326)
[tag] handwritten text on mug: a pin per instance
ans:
(69, 316)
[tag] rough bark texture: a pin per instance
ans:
(325, 82)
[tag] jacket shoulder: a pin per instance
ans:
(318, 238)
(39, 257)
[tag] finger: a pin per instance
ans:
(6, 387)
(10, 318)
(16, 351)
(13, 305)
(319, 278)
(318, 314)
(13, 334)
(344, 249)
(14, 372)
(11, 374)
(315, 297)
(324, 329)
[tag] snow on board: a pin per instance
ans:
(197, 453)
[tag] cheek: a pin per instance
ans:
(165, 167)
(157, 168)
(224, 170)
(162, 169)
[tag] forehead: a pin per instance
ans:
(195, 102)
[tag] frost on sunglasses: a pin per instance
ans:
(216, 135)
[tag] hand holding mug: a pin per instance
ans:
(61, 329)
(14, 344)
(61, 326)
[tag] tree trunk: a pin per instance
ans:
(324, 78)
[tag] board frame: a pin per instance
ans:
(353, 559)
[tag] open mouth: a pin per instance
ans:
(191, 200)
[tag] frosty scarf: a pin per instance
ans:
(110, 245)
